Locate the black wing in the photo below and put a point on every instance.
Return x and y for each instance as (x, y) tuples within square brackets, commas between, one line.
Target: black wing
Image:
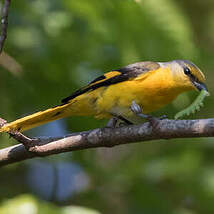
[(116, 76)]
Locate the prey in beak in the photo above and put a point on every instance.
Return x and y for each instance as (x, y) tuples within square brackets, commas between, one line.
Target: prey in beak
[(199, 85), (195, 76)]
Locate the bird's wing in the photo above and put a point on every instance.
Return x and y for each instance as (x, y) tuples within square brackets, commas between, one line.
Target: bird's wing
[(126, 73)]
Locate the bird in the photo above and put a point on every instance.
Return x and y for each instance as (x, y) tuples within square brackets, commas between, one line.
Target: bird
[(122, 93)]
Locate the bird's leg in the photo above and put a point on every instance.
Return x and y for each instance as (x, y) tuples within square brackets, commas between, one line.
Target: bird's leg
[(135, 108), (112, 123), (125, 121)]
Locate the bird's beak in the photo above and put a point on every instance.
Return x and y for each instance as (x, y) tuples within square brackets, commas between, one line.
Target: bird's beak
[(200, 86)]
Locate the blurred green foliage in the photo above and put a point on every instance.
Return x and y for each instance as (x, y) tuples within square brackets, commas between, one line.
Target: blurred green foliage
[(61, 46), (26, 204)]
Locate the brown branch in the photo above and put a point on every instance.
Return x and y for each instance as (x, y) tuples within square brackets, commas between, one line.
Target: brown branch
[(105, 137), (4, 23)]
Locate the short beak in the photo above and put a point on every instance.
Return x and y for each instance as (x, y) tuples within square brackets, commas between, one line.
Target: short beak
[(200, 86)]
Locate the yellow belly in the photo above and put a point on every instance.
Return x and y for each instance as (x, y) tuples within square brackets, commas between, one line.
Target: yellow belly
[(150, 91)]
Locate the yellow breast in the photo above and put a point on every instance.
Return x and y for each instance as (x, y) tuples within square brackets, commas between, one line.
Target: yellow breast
[(151, 91)]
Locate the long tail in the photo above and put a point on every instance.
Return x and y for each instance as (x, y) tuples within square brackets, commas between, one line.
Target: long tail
[(38, 118)]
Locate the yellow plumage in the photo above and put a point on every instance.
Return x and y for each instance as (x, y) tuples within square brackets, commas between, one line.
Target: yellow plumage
[(151, 85)]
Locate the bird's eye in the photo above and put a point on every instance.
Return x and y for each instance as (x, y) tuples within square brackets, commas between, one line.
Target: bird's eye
[(187, 71)]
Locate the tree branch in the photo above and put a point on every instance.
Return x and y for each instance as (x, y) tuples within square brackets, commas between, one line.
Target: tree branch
[(4, 23), (105, 137)]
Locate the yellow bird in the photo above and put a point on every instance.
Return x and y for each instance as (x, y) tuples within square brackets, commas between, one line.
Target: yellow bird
[(148, 85)]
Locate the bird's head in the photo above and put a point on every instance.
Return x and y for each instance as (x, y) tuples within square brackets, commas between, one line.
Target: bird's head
[(187, 75)]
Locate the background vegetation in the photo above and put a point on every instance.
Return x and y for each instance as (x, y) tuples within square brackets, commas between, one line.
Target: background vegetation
[(62, 45)]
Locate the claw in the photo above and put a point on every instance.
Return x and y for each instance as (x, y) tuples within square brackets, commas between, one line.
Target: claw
[(112, 123), (135, 108), (117, 121)]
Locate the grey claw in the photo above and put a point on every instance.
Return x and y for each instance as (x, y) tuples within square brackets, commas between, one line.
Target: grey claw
[(136, 108), (112, 123)]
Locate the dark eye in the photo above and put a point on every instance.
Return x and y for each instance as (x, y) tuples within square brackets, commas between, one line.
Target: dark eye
[(187, 71)]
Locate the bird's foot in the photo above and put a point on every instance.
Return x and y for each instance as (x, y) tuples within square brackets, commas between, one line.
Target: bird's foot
[(118, 121), (154, 121), (112, 123)]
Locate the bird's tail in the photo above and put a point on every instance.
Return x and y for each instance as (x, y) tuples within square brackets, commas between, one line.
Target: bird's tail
[(38, 118)]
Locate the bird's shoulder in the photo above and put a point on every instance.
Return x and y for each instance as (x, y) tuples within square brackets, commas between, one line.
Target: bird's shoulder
[(118, 75)]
